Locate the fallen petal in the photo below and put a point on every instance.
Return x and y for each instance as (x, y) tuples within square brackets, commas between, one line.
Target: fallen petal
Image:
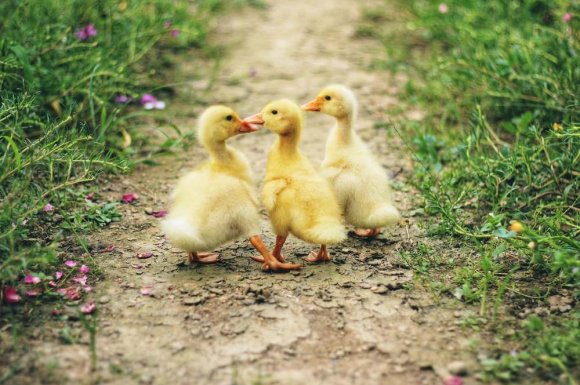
[(129, 197), (70, 263), (72, 293), (33, 293), (159, 214), (84, 269), (58, 275), (48, 208), (453, 380), (90, 196), (145, 255), (51, 283), (31, 279), (89, 307), (80, 279), (148, 98), (159, 105), (11, 295), (149, 105), (147, 290), (109, 249)]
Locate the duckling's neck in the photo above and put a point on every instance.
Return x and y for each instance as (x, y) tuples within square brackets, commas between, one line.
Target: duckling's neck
[(344, 129), (287, 144), (219, 152)]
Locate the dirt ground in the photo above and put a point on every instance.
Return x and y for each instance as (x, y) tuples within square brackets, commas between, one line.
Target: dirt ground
[(357, 320)]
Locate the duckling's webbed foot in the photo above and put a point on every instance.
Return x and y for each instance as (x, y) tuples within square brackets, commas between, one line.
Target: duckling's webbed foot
[(367, 233), (321, 256), (269, 261), (206, 258)]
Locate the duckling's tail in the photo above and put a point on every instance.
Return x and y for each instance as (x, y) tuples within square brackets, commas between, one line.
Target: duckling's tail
[(385, 215), (325, 233), (182, 234)]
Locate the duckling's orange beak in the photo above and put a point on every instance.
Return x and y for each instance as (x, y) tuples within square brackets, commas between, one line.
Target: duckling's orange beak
[(313, 105), (254, 119), (247, 127)]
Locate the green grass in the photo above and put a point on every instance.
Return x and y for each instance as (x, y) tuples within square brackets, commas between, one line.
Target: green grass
[(497, 82)]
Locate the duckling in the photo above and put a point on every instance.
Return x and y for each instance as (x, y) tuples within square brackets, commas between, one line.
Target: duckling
[(216, 203), (359, 182), (298, 200)]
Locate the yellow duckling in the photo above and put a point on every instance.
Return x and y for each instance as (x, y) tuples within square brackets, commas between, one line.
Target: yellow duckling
[(298, 200), (359, 182), (216, 202)]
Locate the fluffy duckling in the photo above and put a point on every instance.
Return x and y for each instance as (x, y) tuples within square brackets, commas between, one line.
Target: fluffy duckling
[(216, 202), (359, 182), (298, 200)]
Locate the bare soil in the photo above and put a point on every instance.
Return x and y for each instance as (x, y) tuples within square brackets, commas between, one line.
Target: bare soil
[(357, 320)]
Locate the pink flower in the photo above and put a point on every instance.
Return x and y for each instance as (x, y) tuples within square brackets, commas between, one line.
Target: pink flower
[(167, 23), (443, 8), (48, 208), (58, 275), (11, 295), (453, 380), (122, 99), (81, 279), (150, 102), (89, 307), (84, 269), (70, 263), (567, 17), (51, 283), (147, 290), (31, 279), (129, 197), (33, 293), (175, 32), (71, 293), (85, 32), (145, 255), (159, 214)]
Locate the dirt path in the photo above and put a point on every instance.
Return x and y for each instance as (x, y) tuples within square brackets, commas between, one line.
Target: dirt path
[(351, 321)]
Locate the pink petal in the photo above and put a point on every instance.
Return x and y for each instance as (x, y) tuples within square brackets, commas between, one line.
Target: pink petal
[(33, 293), (159, 214), (109, 249), (160, 105), (567, 17), (175, 32), (145, 255), (72, 293), (84, 269), (31, 279), (90, 196), (443, 8), (81, 279), (148, 98), (88, 288), (147, 290), (90, 30), (453, 380), (56, 312), (11, 295), (167, 24), (58, 275), (70, 263), (48, 208), (89, 307), (129, 197)]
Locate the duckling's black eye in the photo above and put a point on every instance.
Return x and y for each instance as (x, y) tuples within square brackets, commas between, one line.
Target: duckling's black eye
[(229, 118), (327, 97), (274, 112)]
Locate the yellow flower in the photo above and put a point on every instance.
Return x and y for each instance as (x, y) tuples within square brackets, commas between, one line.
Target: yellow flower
[(556, 126), (516, 227)]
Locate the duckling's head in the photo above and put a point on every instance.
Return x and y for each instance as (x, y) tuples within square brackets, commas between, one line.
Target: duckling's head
[(335, 100), (219, 123), (282, 117)]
